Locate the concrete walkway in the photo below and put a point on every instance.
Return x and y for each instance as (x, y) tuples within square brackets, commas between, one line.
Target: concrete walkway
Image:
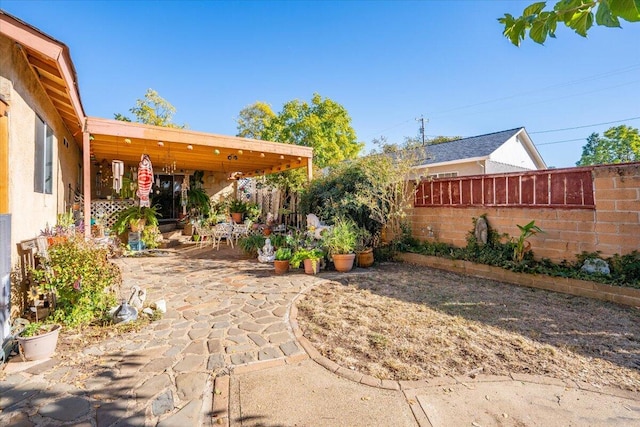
[(228, 352)]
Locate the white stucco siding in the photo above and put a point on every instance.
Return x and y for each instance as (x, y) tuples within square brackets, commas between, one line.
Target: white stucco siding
[(461, 168), (513, 153), (31, 211)]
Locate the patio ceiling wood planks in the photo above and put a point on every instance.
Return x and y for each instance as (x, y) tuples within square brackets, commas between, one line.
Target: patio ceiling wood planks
[(191, 150)]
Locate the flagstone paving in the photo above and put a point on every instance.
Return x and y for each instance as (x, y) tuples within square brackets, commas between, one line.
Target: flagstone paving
[(222, 311)]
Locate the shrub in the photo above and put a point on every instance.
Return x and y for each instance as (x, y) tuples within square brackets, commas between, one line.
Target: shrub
[(82, 279)]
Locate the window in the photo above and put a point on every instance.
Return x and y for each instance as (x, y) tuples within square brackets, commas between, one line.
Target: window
[(444, 175), (43, 164)]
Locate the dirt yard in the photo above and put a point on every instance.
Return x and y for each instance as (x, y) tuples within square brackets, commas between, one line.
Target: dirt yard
[(404, 322)]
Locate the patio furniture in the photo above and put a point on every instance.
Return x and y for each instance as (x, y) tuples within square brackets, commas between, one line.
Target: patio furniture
[(240, 230), (223, 230), (206, 233)]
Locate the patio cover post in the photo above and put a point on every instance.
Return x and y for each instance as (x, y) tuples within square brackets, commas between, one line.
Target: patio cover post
[(86, 182), (309, 168)]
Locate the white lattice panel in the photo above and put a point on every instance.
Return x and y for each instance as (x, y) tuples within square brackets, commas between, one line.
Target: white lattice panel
[(102, 210)]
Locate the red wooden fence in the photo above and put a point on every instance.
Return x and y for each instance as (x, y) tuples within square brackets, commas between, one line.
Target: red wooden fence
[(561, 188)]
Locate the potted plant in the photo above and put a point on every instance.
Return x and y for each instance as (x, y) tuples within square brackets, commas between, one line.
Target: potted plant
[(237, 209), (135, 218), (340, 242), (364, 248), (310, 257), (251, 243), (38, 340), (281, 263)]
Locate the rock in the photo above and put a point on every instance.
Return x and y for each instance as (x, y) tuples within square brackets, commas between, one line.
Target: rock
[(160, 305), (595, 265), (148, 311)]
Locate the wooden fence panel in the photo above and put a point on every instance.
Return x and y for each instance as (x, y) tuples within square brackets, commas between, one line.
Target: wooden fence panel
[(563, 188)]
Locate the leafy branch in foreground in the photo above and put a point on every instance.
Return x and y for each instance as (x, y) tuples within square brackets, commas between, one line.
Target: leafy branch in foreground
[(575, 14)]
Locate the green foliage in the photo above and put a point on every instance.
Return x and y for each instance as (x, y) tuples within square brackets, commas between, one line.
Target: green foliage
[(125, 217), (253, 212), (620, 144), (82, 279), (301, 254), (152, 110), (374, 191), (336, 195), (322, 124), (522, 244), (198, 201), (238, 206), (341, 238), (250, 244), (255, 120), (278, 240), (283, 253), (499, 252), (575, 14), (151, 236), (35, 328)]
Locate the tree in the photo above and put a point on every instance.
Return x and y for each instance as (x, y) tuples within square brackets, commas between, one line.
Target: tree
[(619, 144), (322, 124), (152, 110), (575, 14), (254, 120)]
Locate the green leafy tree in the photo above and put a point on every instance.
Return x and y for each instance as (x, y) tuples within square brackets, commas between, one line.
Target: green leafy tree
[(152, 110), (618, 145), (579, 15), (255, 121), (322, 124)]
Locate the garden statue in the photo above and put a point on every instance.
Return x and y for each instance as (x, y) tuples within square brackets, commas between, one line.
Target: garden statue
[(315, 227), (266, 254)]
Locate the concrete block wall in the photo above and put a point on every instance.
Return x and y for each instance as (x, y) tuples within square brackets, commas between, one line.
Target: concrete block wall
[(612, 227)]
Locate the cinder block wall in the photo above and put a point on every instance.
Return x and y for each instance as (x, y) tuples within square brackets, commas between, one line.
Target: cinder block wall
[(612, 227)]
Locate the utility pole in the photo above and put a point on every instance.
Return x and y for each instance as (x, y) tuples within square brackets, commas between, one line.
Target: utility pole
[(421, 120)]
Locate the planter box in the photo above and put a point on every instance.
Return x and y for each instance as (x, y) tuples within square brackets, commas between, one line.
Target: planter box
[(583, 288)]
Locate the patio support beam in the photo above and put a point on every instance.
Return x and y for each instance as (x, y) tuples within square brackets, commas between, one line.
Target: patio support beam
[(4, 157), (309, 169), (86, 182)]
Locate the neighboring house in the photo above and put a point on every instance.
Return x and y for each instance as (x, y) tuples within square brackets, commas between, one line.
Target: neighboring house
[(506, 151)]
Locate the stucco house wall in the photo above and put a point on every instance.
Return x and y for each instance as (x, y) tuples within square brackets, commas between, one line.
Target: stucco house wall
[(513, 153), (26, 98)]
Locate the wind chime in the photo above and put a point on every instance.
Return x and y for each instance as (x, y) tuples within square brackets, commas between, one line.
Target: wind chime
[(117, 170)]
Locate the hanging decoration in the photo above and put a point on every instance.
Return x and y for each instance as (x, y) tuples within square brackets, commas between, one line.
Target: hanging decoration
[(145, 180), (184, 195), (117, 169)]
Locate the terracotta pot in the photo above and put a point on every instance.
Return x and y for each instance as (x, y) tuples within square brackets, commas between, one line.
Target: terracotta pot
[(39, 346), (365, 258), (266, 232), (236, 217), (281, 267), (311, 266), (343, 262)]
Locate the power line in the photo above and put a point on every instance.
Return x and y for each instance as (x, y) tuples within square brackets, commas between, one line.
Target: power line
[(586, 126), (561, 142), (537, 90)]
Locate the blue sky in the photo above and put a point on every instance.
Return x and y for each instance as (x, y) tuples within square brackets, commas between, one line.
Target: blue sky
[(387, 63)]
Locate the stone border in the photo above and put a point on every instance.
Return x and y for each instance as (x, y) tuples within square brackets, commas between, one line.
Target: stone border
[(410, 388), (582, 288)]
